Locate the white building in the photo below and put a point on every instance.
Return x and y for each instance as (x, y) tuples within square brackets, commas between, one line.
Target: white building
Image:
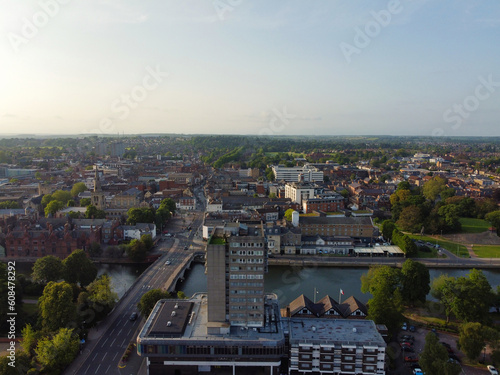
[(299, 192), (307, 173), (134, 232)]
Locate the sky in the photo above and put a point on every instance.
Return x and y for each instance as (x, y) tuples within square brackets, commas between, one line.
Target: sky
[(256, 67)]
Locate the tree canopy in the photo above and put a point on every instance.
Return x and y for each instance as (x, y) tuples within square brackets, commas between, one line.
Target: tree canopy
[(415, 282), (57, 352), (149, 299), (78, 188), (434, 358), (48, 268), (56, 305), (78, 268)]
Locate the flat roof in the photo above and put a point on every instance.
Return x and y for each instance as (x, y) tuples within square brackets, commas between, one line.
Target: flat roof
[(171, 318), (334, 331), (195, 326)]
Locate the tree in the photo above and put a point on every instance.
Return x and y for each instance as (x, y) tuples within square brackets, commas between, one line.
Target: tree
[(78, 188), (62, 196), (95, 249), (450, 214), (55, 353), (9, 205), (272, 195), (433, 188), (78, 268), (136, 251), (30, 339), (22, 364), (140, 215), (415, 282), (387, 228), (149, 299), (472, 339), (434, 358), (100, 296), (181, 295), (53, 207), (169, 204), (84, 202), (410, 219), (147, 241), (494, 218), (93, 213), (56, 306), (288, 214), (48, 268)]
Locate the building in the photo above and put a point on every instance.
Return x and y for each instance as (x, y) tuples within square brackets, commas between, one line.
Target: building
[(179, 338), (335, 346), (235, 270), (307, 173), (326, 307), (332, 203), (299, 192), (98, 198), (359, 228)]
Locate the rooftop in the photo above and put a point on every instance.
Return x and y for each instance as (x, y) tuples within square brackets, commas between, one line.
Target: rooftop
[(333, 331)]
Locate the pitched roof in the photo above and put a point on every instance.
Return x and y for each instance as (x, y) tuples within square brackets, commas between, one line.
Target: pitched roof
[(352, 304), (299, 303)]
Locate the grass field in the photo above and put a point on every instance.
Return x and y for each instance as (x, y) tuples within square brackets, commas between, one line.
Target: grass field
[(470, 225), (487, 251), (448, 245)]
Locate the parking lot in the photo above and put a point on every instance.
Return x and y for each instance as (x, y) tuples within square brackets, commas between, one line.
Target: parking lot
[(417, 341)]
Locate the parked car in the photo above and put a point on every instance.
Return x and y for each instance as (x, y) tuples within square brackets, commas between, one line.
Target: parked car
[(409, 338), (133, 317), (417, 371), (411, 358), (412, 329), (168, 262), (492, 370), (185, 247), (404, 327), (454, 357)]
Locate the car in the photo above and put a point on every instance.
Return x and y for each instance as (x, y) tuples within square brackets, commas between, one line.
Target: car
[(408, 338), (408, 349), (133, 317), (404, 327), (492, 370), (414, 365), (168, 235), (406, 344), (185, 247), (417, 371), (454, 357), (412, 329), (411, 358), (445, 344), (168, 262)]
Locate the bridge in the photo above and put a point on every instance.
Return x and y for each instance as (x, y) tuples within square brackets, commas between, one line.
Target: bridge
[(181, 269)]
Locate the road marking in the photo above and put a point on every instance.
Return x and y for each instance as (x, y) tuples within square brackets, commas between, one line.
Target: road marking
[(97, 368), (112, 331), (107, 370), (119, 332), (93, 359), (114, 356), (104, 342), (104, 356), (113, 342), (130, 330), (87, 369), (123, 342)]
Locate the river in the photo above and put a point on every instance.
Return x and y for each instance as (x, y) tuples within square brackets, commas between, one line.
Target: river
[(290, 282)]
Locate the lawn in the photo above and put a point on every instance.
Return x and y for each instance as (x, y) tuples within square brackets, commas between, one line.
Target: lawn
[(487, 251), (448, 245), (470, 225)]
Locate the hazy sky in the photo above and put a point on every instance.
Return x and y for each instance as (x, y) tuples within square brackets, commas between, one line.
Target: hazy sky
[(405, 67)]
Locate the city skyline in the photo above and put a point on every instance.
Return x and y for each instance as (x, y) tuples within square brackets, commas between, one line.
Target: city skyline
[(254, 68)]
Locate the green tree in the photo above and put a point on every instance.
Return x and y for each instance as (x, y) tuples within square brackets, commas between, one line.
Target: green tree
[(95, 249), (147, 241), (100, 296), (48, 268), (169, 204), (30, 339), (84, 202), (149, 299), (136, 251), (411, 219), (22, 364), (78, 188), (46, 199), (494, 218), (53, 207), (472, 339), (450, 214), (78, 268), (387, 228), (56, 306), (272, 195), (181, 295), (57, 352), (140, 215), (93, 213), (434, 358), (415, 282), (288, 214), (9, 205), (433, 188), (62, 196)]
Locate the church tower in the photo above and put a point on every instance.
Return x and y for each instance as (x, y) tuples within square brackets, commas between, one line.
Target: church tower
[(98, 200)]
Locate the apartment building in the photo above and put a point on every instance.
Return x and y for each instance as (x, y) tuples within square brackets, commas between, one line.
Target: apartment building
[(307, 173), (299, 192)]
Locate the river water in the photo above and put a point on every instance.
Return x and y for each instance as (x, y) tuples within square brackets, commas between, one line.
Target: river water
[(290, 282)]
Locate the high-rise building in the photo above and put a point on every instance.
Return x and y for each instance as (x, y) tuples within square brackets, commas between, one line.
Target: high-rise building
[(307, 173), (236, 263)]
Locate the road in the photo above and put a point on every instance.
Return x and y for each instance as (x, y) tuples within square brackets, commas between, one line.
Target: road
[(107, 342)]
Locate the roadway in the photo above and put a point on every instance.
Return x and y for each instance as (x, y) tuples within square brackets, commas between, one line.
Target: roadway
[(107, 341)]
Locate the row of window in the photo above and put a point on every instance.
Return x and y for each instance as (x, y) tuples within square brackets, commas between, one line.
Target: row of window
[(249, 268), (246, 291), (251, 260), (243, 276), (246, 244)]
